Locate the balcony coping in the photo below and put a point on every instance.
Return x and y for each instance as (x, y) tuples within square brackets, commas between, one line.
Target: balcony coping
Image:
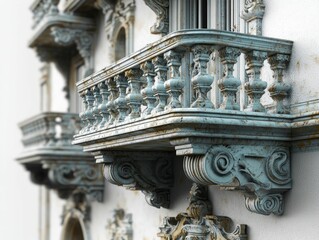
[(184, 39)]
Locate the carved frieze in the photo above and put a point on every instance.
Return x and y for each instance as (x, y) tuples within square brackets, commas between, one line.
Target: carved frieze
[(120, 226), (199, 222), (152, 173), (261, 172)]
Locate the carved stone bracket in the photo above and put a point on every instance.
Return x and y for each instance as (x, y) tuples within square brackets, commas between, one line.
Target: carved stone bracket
[(120, 226), (253, 13), (261, 172), (83, 40), (76, 177), (152, 173), (161, 9), (199, 222)]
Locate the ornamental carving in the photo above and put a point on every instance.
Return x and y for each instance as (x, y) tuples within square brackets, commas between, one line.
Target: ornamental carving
[(253, 13), (83, 40), (120, 226), (199, 222), (76, 177), (161, 9), (151, 173), (262, 172)]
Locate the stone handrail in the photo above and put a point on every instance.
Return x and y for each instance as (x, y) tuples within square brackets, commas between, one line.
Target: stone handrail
[(161, 77)]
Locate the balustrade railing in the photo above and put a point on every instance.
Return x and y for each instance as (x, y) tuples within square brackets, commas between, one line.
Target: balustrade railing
[(42, 8), (50, 130), (154, 79)]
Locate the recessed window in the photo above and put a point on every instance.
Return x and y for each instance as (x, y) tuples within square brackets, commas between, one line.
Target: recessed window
[(120, 44), (73, 230)]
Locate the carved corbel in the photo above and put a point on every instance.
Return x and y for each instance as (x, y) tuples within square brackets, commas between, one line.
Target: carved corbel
[(161, 9), (83, 40), (261, 172), (199, 222), (70, 177), (151, 173), (253, 14)]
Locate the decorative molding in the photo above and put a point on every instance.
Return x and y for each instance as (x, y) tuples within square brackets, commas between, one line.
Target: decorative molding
[(118, 15), (253, 14), (70, 177), (83, 40), (199, 222), (262, 172), (152, 173), (42, 8), (121, 226), (161, 9)]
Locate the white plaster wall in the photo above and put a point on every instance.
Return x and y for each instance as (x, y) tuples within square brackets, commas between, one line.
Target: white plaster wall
[(19, 100), (297, 21)]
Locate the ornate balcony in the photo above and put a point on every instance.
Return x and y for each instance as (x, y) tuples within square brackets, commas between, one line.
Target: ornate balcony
[(54, 162), (57, 35), (152, 105)]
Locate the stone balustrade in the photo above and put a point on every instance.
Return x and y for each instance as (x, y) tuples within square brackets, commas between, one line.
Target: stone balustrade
[(155, 79), (50, 130), (54, 162), (157, 101)]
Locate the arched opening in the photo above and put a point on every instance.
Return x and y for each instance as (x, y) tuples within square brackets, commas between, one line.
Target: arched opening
[(73, 230), (120, 44)]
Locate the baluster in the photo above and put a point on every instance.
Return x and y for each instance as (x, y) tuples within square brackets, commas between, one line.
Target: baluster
[(89, 112), (229, 84), (174, 85), (50, 131), (95, 110), (159, 88), (134, 98), (102, 107), (67, 130), (202, 81), (255, 87), (110, 106), (279, 90), (120, 102), (82, 114), (148, 92)]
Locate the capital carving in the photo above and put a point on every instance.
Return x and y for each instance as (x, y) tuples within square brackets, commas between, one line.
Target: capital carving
[(263, 173), (83, 40), (199, 222), (161, 9), (151, 173), (253, 13)]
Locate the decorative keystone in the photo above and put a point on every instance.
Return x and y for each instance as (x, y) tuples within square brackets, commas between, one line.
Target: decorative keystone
[(262, 172), (199, 223), (83, 40), (161, 9), (152, 173)]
